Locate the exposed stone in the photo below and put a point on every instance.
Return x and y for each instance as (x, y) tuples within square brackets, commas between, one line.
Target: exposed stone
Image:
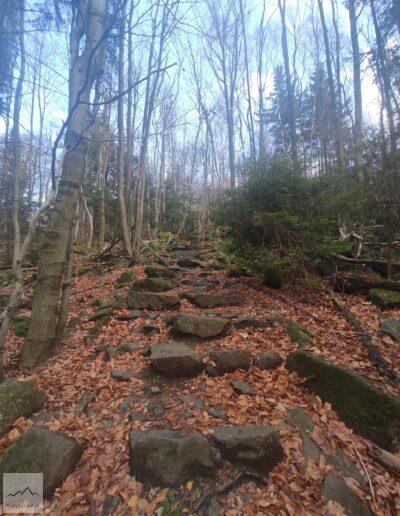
[(336, 489), (214, 300), (160, 272), (152, 300), (227, 360), (345, 466), (217, 413), (212, 371), (392, 327), (122, 376), (297, 417), (242, 387), (252, 322), (133, 314), (299, 334), (84, 402), (18, 399), (372, 413), (116, 351), (190, 263), (99, 314), (126, 278), (147, 329), (39, 450), (175, 360), (266, 361), (153, 285), (199, 326), (169, 457), (385, 299), (257, 446)]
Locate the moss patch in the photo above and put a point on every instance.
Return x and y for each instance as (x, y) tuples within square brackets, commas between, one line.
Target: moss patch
[(126, 278), (299, 334), (369, 411), (80, 271), (385, 299), (21, 325), (3, 301)]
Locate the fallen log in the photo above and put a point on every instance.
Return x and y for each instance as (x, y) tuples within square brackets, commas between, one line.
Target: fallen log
[(386, 459), (380, 266), (350, 284), (374, 354)]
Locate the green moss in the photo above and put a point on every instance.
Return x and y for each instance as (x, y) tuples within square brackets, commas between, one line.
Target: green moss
[(126, 278), (6, 278), (299, 334), (80, 271), (371, 412), (21, 325), (385, 299), (3, 301)]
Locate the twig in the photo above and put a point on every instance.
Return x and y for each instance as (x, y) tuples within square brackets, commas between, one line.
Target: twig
[(371, 488)]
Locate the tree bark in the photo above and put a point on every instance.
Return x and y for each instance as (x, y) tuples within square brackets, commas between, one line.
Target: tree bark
[(88, 29)]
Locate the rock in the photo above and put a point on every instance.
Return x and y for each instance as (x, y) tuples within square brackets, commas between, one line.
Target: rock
[(372, 413), (39, 450), (392, 327), (217, 413), (126, 278), (84, 402), (155, 390), (175, 360), (297, 417), (385, 299), (169, 457), (153, 285), (133, 314), (299, 334), (242, 387), (18, 399), (199, 326), (212, 371), (214, 300), (116, 351), (160, 272), (257, 446), (227, 360), (127, 403), (152, 301), (147, 329), (99, 314), (347, 467), (266, 361), (336, 489), (190, 263), (252, 322), (43, 417), (121, 376)]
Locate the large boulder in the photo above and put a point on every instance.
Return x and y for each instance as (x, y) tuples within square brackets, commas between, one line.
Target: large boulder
[(199, 326), (265, 361), (153, 285), (153, 271), (213, 300), (385, 299), (169, 457), (372, 413), (227, 360), (175, 360), (299, 334), (152, 300), (392, 327), (18, 399), (39, 450), (256, 446), (335, 489)]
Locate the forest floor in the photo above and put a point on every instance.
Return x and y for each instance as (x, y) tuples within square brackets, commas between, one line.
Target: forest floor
[(102, 484)]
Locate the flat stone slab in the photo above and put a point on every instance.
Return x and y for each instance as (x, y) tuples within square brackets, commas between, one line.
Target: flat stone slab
[(299, 334), (214, 300), (39, 450), (242, 387), (227, 360), (372, 413), (169, 457), (175, 360), (199, 326), (152, 300), (267, 361), (190, 263), (153, 285), (257, 446), (153, 271), (392, 327), (335, 488), (99, 314), (84, 403), (18, 399)]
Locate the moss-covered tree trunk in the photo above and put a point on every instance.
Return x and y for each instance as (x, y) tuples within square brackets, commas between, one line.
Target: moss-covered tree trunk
[(89, 19)]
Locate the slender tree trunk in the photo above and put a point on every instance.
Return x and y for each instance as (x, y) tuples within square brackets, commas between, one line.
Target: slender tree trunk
[(88, 30)]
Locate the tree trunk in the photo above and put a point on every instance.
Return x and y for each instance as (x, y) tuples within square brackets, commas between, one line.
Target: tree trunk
[(88, 29)]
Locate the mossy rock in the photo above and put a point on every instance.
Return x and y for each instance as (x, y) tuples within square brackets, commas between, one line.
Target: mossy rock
[(299, 334), (153, 285), (126, 278), (80, 271), (370, 412), (385, 299), (21, 326)]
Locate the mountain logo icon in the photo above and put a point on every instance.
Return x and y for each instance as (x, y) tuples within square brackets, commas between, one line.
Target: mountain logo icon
[(23, 492)]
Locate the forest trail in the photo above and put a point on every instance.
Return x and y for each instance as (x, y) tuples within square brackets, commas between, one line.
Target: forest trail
[(103, 384)]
